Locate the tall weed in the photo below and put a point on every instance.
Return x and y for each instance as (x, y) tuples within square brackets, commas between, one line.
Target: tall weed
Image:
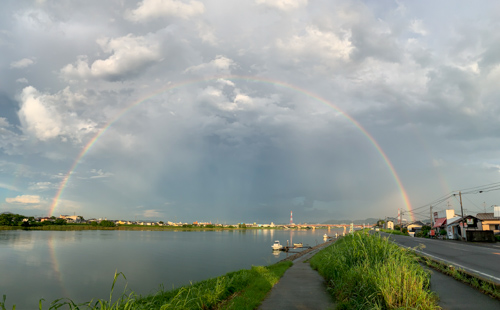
[(369, 272)]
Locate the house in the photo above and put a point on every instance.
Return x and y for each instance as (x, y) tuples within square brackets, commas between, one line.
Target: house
[(415, 226), (457, 227), (389, 225), (440, 219), (489, 222)]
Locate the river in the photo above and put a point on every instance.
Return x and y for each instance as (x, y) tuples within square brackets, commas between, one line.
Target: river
[(80, 265)]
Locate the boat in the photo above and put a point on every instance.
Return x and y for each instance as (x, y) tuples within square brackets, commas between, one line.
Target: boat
[(298, 245), (325, 236), (277, 245)]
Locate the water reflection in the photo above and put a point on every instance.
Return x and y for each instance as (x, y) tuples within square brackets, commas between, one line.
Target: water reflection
[(80, 264)]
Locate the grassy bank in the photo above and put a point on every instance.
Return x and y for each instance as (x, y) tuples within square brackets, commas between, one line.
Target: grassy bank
[(368, 272), (243, 289), (394, 232)]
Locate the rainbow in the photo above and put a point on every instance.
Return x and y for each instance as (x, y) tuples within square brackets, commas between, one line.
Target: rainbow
[(101, 132)]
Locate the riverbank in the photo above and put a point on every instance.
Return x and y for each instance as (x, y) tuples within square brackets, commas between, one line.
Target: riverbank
[(72, 227), (368, 271)]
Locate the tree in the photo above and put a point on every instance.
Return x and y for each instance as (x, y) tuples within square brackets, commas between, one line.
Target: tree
[(60, 222), (106, 223), (6, 219), (380, 223)]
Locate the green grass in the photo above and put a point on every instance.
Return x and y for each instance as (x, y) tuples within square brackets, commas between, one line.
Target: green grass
[(243, 289), (369, 272), (394, 232)]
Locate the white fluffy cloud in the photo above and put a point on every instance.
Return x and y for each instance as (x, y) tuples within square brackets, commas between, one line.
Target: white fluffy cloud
[(220, 65), (151, 9), (44, 116), (24, 199), (37, 116), (129, 55), (315, 44), (284, 5), (22, 63)]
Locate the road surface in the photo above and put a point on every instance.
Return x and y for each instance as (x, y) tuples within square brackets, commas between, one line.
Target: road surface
[(480, 259)]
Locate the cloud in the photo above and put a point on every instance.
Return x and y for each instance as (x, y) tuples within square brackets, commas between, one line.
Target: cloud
[(9, 187), (42, 186), (3, 122), (46, 116), (24, 199), (22, 63), (316, 45), (284, 5), (219, 66), (130, 55), (151, 213), (152, 9), (22, 80), (37, 116), (417, 27), (98, 174)]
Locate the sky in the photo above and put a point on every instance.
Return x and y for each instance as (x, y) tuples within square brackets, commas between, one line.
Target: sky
[(242, 111)]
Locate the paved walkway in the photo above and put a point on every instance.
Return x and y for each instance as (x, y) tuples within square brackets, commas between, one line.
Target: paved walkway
[(454, 294), (301, 287)]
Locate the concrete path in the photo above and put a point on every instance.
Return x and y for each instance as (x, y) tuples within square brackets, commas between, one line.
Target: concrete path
[(454, 294), (301, 287)]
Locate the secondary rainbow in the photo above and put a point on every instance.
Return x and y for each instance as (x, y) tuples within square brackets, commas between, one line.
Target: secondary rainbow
[(96, 137)]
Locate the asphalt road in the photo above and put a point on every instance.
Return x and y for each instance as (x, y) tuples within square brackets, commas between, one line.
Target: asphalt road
[(480, 259)]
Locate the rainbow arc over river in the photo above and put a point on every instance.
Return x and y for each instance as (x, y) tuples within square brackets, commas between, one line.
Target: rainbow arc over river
[(254, 79)]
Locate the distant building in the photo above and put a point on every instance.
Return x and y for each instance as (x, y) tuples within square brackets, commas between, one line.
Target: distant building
[(389, 225), (489, 222)]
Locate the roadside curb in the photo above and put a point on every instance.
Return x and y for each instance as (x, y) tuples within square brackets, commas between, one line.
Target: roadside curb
[(465, 277)]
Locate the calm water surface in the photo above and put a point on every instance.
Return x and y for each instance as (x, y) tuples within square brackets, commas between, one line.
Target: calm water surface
[(81, 264)]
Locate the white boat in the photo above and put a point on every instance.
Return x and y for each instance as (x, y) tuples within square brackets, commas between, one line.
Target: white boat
[(277, 246), (325, 236), (298, 245)]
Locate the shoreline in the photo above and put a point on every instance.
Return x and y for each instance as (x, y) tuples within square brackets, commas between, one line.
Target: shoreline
[(302, 253)]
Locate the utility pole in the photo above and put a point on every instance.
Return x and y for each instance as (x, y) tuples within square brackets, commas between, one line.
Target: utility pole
[(400, 222), (430, 213), (462, 208)]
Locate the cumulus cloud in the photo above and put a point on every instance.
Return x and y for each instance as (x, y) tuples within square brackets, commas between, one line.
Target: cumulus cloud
[(43, 115), (329, 47), (152, 9), (22, 63), (130, 54), (37, 116), (24, 199), (284, 5), (219, 66)]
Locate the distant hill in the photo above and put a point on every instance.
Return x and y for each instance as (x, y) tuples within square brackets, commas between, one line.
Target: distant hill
[(368, 221)]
